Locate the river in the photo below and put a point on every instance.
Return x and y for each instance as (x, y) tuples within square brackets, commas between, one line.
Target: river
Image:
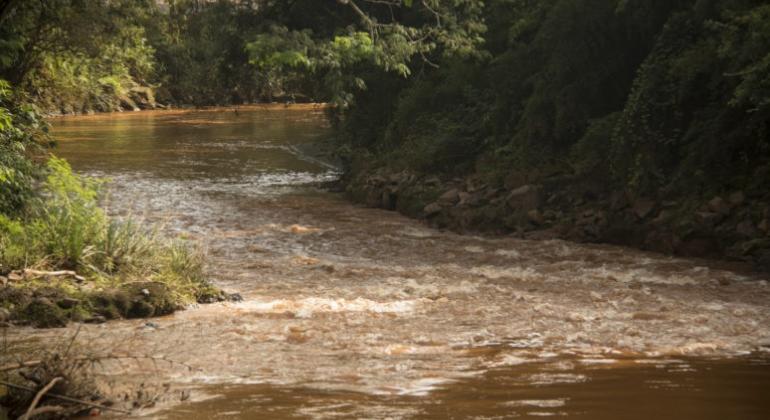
[(351, 312)]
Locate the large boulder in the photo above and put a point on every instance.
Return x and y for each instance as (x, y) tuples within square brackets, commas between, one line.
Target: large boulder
[(43, 313), (450, 197), (719, 205), (525, 198), (643, 207), (432, 209), (149, 298)]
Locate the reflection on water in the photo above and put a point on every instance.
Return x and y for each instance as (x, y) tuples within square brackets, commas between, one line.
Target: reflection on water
[(354, 312)]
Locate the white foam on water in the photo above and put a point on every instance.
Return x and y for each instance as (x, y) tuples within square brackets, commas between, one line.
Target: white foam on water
[(598, 361), (419, 387), (417, 233), (509, 360), (556, 378), (305, 308), (495, 273), (552, 403), (510, 253)]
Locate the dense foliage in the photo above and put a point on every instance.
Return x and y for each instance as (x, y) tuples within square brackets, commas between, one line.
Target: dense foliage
[(50, 219), (658, 99), (647, 94)]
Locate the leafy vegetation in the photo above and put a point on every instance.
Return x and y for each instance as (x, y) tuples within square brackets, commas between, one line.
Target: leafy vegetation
[(645, 93), (63, 257), (650, 99)]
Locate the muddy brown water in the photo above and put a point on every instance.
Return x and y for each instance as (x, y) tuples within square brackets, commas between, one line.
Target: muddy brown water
[(351, 312)]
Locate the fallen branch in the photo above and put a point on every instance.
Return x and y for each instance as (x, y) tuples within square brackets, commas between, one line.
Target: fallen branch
[(37, 398), (68, 399), (33, 274), (21, 365), (46, 409)]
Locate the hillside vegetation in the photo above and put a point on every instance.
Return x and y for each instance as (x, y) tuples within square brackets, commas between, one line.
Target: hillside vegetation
[(625, 121), (635, 122)]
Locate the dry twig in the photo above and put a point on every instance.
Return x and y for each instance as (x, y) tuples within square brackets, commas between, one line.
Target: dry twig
[(68, 399), (38, 396)]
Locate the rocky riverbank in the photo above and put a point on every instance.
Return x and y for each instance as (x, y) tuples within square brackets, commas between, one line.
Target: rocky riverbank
[(47, 299), (734, 225)]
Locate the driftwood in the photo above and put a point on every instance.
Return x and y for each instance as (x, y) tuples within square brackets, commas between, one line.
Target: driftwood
[(68, 399), (20, 365), (37, 398), (29, 273), (45, 409)]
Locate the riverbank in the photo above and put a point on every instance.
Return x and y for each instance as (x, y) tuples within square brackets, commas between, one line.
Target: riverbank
[(373, 309), (172, 110), (63, 258), (733, 226)]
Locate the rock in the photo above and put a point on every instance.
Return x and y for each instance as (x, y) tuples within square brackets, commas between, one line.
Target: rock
[(737, 198), (754, 246), (670, 204), (143, 96), (148, 299), (524, 198), (5, 315), (43, 313), (515, 179), (472, 200), (450, 197), (376, 180), (388, 200), (718, 205), (746, 229), (707, 218), (97, 319), (764, 226), (618, 201), (397, 178), (762, 261), (68, 303), (664, 217), (432, 209), (151, 325), (15, 276), (643, 207), (699, 246), (535, 217), (234, 297)]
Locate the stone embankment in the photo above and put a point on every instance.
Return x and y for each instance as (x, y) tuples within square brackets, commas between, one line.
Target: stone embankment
[(732, 226)]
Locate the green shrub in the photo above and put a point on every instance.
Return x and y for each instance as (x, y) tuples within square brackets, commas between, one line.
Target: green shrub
[(66, 229), (68, 219), (21, 131)]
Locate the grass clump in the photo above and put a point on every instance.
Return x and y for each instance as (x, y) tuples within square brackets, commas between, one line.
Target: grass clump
[(98, 265)]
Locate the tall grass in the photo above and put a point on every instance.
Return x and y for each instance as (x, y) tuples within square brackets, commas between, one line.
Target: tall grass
[(66, 229)]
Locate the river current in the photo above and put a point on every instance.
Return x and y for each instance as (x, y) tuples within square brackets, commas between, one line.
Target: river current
[(351, 312)]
